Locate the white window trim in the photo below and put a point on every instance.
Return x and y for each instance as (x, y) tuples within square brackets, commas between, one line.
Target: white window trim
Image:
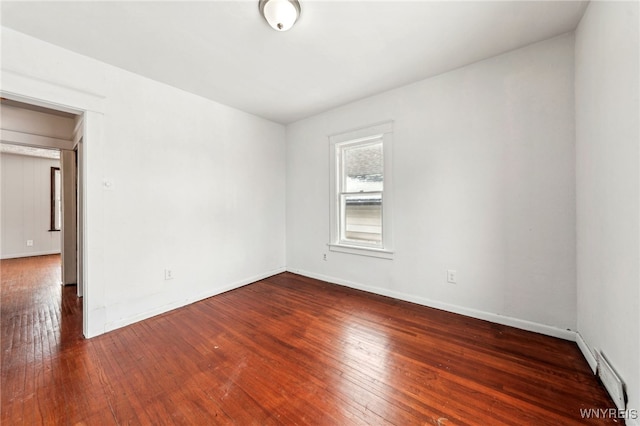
[(383, 131)]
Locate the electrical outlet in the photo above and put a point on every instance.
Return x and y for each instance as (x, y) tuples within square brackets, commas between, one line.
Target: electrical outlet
[(324, 256), (29, 243), (451, 276), (168, 274)]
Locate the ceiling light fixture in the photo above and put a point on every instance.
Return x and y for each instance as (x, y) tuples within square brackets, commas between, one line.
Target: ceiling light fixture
[(280, 14)]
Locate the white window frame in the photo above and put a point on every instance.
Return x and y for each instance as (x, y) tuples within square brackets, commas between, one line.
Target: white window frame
[(384, 133)]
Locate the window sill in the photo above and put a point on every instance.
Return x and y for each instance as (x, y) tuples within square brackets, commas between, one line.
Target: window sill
[(362, 251)]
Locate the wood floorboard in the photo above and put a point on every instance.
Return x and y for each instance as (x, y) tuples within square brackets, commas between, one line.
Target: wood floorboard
[(284, 350)]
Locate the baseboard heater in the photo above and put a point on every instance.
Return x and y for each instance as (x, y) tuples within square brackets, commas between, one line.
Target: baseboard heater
[(611, 381)]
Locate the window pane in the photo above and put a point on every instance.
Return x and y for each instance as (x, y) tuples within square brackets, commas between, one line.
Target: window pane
[(362, 218), (57, 200), (363, 168)]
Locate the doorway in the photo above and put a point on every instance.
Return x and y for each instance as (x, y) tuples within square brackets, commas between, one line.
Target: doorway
[(89, 106), (50, 139)]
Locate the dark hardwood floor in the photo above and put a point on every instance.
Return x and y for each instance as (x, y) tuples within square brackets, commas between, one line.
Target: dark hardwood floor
[(285, 350)]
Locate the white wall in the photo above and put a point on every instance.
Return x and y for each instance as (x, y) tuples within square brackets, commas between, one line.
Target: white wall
[(198, 187), (608, 186), (484, 184), (26, 201), (26, 182)]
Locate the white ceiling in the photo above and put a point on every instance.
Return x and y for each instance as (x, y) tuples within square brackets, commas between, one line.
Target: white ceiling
[(338, 52)]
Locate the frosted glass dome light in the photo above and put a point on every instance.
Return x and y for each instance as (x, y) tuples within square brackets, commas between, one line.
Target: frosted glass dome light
[(280, 14)]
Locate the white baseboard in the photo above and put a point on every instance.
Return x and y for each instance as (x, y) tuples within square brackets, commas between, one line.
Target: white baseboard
[(586, 352), (37, 253), (123, 322), (240, 283), (469, 312), (593, 364)]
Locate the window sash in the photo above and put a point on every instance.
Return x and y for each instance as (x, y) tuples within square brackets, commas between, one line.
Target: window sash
[(55, 223), (365, 225), (368, 223), (341, 152)]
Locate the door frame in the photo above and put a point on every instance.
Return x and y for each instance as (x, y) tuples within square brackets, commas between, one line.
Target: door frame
[(33, 90)]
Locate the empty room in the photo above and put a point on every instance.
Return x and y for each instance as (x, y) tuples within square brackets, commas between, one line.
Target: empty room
[(316, 212)]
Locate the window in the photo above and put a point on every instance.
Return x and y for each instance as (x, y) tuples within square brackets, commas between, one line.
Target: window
[(360, 183), (360, 191), (56, 200)]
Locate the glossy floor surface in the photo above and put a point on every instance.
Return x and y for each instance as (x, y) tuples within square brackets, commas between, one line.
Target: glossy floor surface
[(285, 350)]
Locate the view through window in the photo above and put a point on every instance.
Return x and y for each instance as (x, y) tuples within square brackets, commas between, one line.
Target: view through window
[(56, 199), (361, 192)]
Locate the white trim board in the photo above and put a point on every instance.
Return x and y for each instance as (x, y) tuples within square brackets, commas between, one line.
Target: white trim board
[(593, 364), (32, 254), (473, 313), (586, 352), (30, 89), (113, 325), (27, 139)]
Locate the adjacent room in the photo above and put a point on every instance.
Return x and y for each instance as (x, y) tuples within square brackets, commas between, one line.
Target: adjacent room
[(320, 212)]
